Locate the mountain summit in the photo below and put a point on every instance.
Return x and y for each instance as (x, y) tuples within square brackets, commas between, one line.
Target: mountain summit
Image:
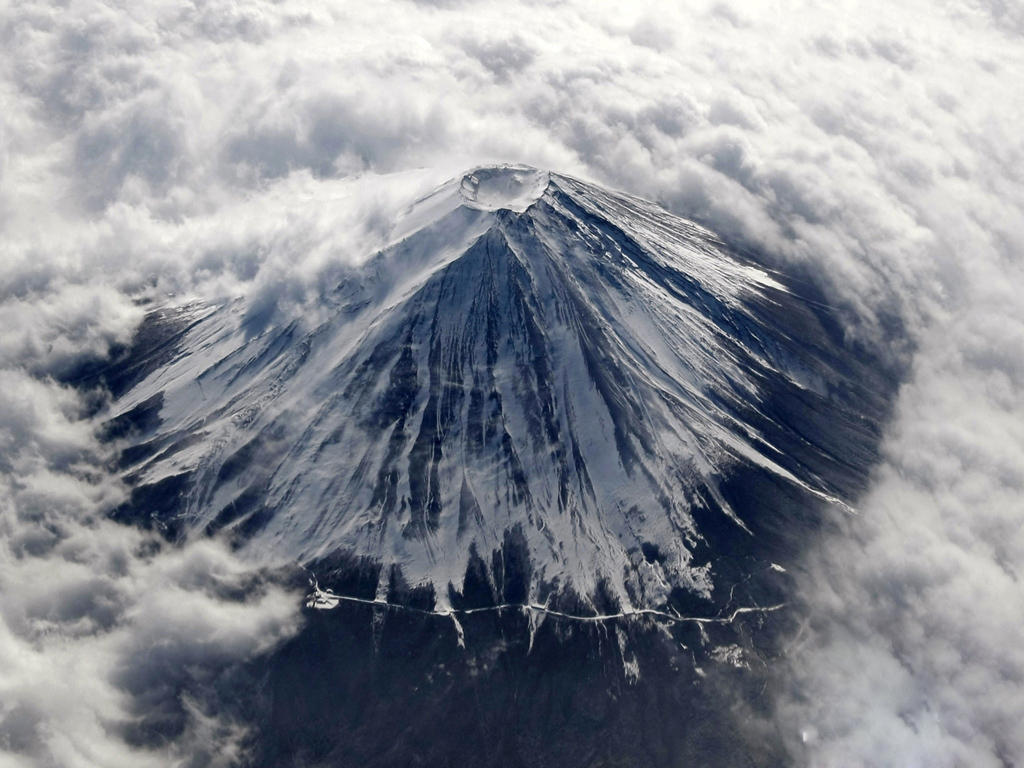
[(537, 374)]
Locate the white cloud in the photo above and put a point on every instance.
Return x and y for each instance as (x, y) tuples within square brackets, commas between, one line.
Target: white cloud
[(109, 643), (920, 598), (219, 148)]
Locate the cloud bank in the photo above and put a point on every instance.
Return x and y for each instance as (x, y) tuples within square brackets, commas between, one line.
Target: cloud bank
[(914, 654), (216, 148), (113, 649)]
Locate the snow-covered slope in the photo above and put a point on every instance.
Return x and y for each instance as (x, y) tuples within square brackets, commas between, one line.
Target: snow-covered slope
[(532, 357)]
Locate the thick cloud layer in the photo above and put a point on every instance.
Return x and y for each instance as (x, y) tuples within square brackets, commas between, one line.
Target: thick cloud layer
[(111, 647), (216, 148), (915, 653)]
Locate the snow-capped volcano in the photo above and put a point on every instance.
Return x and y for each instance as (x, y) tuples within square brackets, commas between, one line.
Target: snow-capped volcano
[(532, 358)]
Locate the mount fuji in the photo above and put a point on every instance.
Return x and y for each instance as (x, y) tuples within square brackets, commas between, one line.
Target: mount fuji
[(540, 395)]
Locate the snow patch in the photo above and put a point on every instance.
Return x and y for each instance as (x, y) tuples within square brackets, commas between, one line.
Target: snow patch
[(630, 663), (459, 631), (321, 599), (731, 655)]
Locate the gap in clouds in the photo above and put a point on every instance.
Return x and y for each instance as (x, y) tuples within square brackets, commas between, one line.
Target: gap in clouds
[(233, 148)]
